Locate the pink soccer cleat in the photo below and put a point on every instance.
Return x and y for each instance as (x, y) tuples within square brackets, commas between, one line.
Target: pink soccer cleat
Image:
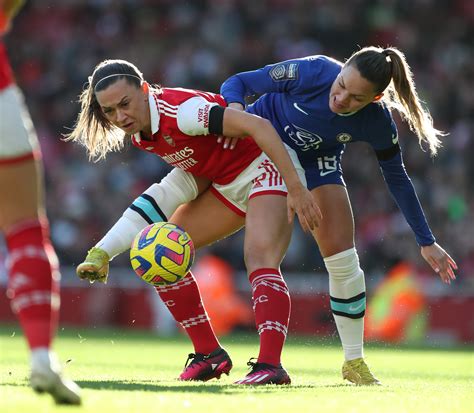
[(206, 367), (263, 373)]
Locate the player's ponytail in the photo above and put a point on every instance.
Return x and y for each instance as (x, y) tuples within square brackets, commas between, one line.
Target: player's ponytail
[(389, 71), (92, 129)]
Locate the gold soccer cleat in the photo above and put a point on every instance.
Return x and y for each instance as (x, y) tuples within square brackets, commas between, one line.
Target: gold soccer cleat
[(95, 267), (357, 372)]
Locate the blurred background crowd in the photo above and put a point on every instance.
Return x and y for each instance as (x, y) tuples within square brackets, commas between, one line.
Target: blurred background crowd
[(55, 44)]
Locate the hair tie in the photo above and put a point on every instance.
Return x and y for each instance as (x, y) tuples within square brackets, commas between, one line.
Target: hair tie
[(388, 57)]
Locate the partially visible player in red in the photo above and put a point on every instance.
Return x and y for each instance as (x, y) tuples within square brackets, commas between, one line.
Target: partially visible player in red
[(181, 126), (33, 282)]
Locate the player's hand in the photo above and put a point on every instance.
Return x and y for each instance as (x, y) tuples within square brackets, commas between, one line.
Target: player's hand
[(301, 202), (230, 142), (95, 267), (440, 261)]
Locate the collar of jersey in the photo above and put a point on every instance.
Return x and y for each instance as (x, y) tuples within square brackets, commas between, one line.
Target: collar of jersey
[(346, 114), (154, 115)]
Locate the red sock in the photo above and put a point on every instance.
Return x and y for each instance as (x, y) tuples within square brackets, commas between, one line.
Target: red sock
[(33, 284), (183, 299), (271, 304)]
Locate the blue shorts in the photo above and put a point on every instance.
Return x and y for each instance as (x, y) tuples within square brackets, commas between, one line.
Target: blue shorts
[(322, 167)]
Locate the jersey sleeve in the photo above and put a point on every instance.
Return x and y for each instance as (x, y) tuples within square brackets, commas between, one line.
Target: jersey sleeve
[(402, 190), (194, 116), (291, 76), (380, 130)]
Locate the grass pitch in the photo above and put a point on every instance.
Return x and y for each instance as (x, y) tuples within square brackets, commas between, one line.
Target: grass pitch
[(124, 371)]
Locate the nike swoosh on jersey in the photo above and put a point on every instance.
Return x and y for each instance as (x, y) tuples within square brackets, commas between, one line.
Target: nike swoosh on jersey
[(298, 108), (324, 173), (394, 139)]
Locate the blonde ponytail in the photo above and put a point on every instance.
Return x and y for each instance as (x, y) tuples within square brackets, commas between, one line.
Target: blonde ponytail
[(389, 71), (402, 96), (93, 130)]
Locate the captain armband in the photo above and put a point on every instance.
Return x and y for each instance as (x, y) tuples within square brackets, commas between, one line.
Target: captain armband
[(216, 120)]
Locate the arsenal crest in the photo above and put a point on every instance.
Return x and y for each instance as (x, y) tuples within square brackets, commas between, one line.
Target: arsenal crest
[(169, 140)]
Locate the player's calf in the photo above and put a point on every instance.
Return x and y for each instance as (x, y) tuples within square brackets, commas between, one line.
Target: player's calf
[(33, 283)]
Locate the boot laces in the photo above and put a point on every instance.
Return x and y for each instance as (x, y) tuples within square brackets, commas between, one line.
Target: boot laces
[(196, 359)]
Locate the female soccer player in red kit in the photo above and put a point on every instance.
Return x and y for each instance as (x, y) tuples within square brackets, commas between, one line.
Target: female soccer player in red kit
[(33, 282), (181, 126)]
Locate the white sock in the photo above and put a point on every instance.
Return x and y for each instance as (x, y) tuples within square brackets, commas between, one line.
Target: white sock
[(42, 358), (347, 296), (119, 238), (156, 204)]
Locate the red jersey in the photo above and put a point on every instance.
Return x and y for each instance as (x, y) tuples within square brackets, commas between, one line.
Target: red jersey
[(181, 137), (6, 74)]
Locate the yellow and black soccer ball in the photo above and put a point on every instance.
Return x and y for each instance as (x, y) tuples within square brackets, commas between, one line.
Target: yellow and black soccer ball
[(162, 253)]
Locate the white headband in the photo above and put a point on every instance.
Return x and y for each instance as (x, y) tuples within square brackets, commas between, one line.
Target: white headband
[(113, 75)]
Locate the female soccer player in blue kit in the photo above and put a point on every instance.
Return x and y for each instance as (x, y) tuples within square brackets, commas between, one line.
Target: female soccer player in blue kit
[(317, 105)]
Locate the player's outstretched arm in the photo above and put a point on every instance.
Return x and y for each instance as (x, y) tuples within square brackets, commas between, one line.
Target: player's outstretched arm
[(237, 123), (404, 193)]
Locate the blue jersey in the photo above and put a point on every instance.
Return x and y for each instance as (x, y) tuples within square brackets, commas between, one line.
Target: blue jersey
[(294, 96)]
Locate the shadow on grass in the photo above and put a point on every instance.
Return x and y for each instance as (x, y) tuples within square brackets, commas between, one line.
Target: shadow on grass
[(179, 387)]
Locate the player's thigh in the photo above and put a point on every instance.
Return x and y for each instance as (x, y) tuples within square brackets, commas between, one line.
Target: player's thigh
[(21, 183), (267, 232), (202, 183), (207, 219), (20, 192), (336, 230)]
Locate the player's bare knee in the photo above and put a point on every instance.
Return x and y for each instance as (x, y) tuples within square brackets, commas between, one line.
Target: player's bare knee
[(261, 256), (332, 247)]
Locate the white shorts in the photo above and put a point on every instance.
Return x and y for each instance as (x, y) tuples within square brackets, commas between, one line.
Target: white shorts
[(261, 177), (18, 139)]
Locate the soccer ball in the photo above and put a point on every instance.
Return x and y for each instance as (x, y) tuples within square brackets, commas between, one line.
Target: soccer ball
[(162, 254)]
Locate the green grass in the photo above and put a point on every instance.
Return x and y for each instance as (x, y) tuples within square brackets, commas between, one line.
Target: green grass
[(123, 371)]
